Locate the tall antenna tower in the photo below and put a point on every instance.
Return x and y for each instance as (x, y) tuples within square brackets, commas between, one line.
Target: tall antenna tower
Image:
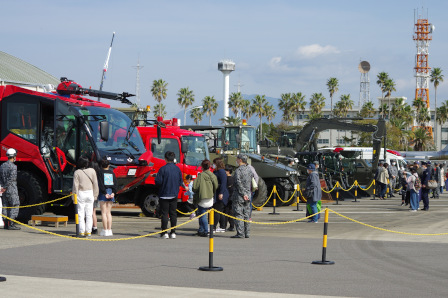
[(238, 86), (364, 86), (137, 84), (422, 36)]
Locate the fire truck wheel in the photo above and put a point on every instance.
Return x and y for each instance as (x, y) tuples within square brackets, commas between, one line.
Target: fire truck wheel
[(261, 195), (149, 202), (30, 192)]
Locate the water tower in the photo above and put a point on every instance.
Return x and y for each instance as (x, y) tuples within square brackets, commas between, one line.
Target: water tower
[(364, 88), (226, 67)]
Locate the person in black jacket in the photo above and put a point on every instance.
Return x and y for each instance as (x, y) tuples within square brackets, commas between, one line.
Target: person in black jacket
[(169, 180), (426, 176), (107, 184), (229, 209), (221, 196)]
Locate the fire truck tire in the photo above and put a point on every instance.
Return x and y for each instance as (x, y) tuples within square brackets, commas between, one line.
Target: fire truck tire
[(261, 195), (150, 202), (31, 192)]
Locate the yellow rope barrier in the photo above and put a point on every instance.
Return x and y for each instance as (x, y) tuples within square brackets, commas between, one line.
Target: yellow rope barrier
[(350, 187), (336, 185), (268, 223), (386, 230), (105, 240), (272, 192), (43, 203), (188, 213), (371, 184), (289, 198)]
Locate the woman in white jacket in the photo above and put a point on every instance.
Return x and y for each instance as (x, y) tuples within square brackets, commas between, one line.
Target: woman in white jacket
[(85, 186)]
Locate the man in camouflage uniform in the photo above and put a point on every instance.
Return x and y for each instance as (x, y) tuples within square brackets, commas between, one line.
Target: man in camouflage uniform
[(8, 182), (241, 197)]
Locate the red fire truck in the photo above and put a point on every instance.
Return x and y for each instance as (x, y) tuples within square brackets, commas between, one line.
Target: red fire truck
[(51, 130), (190, 149)]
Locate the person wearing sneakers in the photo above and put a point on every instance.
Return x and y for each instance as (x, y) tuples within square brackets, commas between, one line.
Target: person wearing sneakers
[(169, 180), (413, 188), (204, 188), (85, 186), (107, 184), (313, 192), (10, 197)]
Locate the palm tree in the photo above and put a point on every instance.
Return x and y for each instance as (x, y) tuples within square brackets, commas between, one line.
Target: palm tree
[(284, 104), (367, 110), (160, 110), (246, 109), (298, 103), (257, 108), (185, 98), (196, 114), (388, 87), (317, 103), (332, 85), (209, 107), (421, 140), (383, 109), (231, 120), (382, 77), (345, 104), (423, 116), (235, 101), (436, 78), (270, 112), (158, 91)]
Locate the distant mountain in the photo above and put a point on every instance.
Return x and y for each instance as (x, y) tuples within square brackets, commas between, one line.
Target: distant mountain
[(254, 120)]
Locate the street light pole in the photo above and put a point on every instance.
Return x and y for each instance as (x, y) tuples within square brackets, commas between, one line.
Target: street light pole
[(185, 116)]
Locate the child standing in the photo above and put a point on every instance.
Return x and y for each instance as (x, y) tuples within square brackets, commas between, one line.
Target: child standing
[(107, 183)]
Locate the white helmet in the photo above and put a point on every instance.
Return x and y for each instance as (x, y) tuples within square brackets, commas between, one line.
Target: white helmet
[(11, 152)]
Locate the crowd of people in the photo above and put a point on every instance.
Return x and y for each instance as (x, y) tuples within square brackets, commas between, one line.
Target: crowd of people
[(415, 183)]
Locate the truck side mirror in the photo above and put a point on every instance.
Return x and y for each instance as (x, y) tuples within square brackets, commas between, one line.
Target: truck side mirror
[(104, 130), (184, 147)]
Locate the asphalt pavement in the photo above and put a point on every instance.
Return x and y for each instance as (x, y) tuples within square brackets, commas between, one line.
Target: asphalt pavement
[(396, 253)]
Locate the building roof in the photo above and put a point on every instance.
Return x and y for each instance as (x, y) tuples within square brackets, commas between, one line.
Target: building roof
[(13, 69)]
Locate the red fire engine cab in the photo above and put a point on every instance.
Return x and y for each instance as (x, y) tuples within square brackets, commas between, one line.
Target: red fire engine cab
[(51, 130)]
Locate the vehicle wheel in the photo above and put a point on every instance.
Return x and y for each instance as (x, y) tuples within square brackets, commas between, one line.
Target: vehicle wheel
[(31, 192), (261, 195), (149, 203)]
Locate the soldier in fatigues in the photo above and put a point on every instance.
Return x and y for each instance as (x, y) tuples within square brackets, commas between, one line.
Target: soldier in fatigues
[(8, 181), (241, 197)]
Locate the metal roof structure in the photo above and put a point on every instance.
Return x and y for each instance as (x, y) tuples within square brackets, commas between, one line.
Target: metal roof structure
[(15, 70)]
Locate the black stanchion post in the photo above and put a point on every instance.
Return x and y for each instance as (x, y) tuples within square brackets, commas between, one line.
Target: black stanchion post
[(274, 203), (210, 266), (297, 198), (324, 244), (75, 203)]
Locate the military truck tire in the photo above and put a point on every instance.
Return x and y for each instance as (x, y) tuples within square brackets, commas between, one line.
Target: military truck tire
[(280, 190), (261, 195), (149, 202), (31, 192)]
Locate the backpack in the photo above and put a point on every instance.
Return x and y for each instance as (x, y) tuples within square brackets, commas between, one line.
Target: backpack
[(417, 184)]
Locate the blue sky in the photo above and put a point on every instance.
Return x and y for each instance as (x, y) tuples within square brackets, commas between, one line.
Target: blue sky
[(278, 46)]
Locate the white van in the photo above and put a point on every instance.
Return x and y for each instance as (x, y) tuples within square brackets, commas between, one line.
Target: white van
[(367, 155)]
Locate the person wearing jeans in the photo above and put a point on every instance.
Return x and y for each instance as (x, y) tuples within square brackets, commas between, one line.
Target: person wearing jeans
[(413, 191), (313, 191)]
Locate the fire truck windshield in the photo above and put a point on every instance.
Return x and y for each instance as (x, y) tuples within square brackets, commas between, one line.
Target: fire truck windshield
[(197, 150), (119, 125)]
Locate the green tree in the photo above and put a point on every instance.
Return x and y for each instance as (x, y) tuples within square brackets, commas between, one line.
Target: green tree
[(298, 103), (442, 113), (257, 108), (345, 104), (382, 77), (383, 109), (196, 115), (317, 103), (270, 112), (185, 98), (436, 78), (246, 109), (235, 103), (421, 139), (388, 87), (285, 104), (158, 91), (367, 110), (159, 110), (231, 120), (333, 87), (209, 107)]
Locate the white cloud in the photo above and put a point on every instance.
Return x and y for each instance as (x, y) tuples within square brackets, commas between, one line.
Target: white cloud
[(277, 64), (314, 50)]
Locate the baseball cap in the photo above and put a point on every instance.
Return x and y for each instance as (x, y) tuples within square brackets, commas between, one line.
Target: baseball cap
[(311, 167)]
